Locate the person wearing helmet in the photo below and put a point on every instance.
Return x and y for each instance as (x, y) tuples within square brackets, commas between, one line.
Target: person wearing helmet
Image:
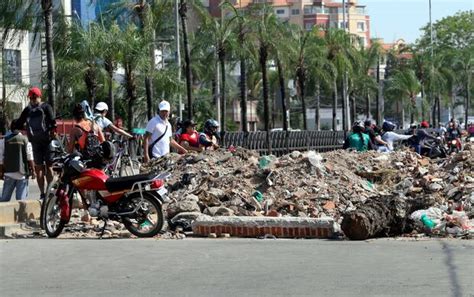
[(100, 111), (357, 140), (453, 132), (375, 139), (189, 138), (390, 137), (158, 135), (208, 138)]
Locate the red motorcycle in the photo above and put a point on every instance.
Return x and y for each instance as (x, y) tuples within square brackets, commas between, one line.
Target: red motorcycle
[(136, 201)]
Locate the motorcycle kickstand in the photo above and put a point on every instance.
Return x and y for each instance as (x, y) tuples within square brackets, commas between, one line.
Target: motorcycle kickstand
[(103, 229)]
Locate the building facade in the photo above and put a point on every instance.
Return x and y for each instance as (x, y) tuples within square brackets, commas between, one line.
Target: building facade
[(310, 13)]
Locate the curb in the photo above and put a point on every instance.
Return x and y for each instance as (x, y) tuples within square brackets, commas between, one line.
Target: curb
[(281, 227), (19, 211)]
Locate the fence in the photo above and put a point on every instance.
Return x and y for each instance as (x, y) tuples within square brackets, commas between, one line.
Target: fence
[(283, 142)]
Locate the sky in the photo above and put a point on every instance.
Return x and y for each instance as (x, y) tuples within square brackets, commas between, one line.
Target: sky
[(394, 19)]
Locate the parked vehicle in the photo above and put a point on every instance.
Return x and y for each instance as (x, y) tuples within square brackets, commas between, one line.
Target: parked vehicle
[(136, 200)]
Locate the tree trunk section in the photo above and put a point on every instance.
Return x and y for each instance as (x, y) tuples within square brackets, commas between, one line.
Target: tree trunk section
[(48, 21), (182, 12), (223, 94), (243, 95), (281, 80), (334, 106), (266, 108), (367, 107), (383, 216), (317, 118), (111, 100)]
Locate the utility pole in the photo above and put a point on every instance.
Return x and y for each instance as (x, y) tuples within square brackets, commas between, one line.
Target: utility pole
[(178, 58), (345, 98)]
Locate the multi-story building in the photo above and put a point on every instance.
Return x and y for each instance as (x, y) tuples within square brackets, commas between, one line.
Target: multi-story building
[(310, 13)]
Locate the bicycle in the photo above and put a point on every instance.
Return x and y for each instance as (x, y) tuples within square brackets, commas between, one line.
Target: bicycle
[(123, 164)]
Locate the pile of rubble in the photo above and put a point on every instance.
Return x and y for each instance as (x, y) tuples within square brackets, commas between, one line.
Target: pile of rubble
[(240, 182)]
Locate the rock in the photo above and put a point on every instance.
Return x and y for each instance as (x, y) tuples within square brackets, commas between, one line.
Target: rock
[(218, 211), (182, 206), (216, 193), (295, 154), (329, 205), (212, 235), (435, 187)]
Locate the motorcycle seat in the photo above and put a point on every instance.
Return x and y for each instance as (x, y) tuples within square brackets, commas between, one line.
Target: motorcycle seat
[(114, 184)]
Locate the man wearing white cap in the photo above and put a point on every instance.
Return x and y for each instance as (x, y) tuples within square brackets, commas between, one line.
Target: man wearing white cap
[(158, 135), (101, 110)]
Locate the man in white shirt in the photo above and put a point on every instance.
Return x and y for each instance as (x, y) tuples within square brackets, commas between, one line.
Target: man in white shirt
[(158, 135), (100, 111), (16, 164)]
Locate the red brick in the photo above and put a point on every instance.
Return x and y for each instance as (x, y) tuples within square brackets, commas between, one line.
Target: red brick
[(325, 232), (314, 232), (286, 232), (234, 231), (206, 230), (307, 232), (212, 229), (291, 232), (218, 230), (320, 233)]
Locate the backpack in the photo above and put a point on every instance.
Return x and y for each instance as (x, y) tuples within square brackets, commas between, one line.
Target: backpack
[(37, 123), (91, 146)]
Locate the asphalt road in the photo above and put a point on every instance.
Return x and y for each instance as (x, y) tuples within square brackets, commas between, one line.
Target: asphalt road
[(236, 267)]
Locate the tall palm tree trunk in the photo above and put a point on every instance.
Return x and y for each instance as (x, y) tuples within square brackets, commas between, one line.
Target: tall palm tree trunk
[(223, 94), (47, 6), (90, 80), (281, 80), (111, 100), (3, 114), (423, 103), (378, 112), (243, 94), (353, 108), (317, 119), (468, 99), (183, 15), (438, 115), (343, 97), (334, 105), (301, 83), (149, 78), (367, 107), (263, 56)]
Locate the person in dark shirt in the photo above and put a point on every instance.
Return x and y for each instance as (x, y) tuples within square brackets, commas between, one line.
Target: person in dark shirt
[(375, 139), (41, 127)]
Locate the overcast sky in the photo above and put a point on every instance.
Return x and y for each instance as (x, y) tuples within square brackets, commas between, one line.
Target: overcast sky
[(393, 19)]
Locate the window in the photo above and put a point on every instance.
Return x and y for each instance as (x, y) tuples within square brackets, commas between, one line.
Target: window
[(307, 9), (12, 63), (360, 10), (341, 25), (361, 26), (308, 26), (295, 11), (280, 11)]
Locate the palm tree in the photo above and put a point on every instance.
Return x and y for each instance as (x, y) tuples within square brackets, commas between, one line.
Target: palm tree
[(133, 57), (183, 10), (110, 56), (464, 64), (404, 86), (321, 72), (219, 34), (339, 50)]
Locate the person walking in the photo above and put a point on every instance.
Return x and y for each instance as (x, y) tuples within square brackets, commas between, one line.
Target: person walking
[(16, 164), (41, 128), (158, 135)]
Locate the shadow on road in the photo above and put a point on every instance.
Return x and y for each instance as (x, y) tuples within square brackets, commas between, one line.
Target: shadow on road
[(452, 270)]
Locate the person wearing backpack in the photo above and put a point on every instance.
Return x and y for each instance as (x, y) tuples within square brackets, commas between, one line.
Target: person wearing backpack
[(16, 164), (41, 128), (85, 137), (158, 135)]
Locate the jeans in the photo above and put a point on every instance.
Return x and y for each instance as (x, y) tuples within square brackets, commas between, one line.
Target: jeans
[(11, 184)]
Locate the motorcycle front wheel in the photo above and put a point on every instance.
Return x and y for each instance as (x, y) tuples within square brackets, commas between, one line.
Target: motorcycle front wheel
[(148, 219), (51, 221)]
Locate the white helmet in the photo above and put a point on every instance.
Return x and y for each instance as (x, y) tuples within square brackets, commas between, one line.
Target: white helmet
[(101, 106)]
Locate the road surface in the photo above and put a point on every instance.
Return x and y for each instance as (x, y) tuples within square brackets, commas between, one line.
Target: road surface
[(236, 267)]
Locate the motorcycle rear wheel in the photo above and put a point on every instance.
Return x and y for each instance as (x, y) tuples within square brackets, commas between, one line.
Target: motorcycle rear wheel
[(148, 220)]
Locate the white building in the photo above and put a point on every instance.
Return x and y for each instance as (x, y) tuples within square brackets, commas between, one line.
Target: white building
[(21, 68)]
